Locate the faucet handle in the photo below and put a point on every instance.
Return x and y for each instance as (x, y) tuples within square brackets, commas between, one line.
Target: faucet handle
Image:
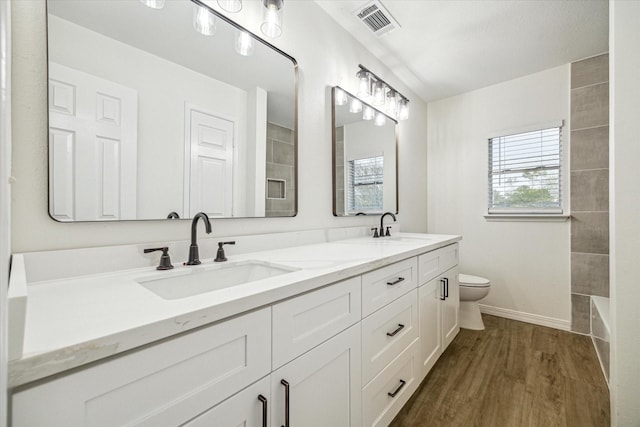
[(165, 260), (388, 234), (220, 256), (375, 232)]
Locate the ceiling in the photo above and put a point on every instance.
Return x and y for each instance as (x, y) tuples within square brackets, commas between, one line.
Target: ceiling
[(447, 47)]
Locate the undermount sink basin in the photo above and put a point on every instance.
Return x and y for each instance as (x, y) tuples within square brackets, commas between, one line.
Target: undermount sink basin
[(186, 283)]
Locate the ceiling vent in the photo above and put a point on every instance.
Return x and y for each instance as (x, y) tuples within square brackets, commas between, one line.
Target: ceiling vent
[(377, 18)]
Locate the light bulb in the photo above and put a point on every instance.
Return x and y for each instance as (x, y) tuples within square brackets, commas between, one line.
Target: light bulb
[(355, 106), (272, 18), (380, 119), (403, 109), (378, 94), (341, 97), (392, 103), (232, 6), (368, 113), (203, 20), (153, 4), (244, 43), (364, 84)]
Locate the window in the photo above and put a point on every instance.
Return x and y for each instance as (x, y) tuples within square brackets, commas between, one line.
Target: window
[(365, 179), (525, 173)]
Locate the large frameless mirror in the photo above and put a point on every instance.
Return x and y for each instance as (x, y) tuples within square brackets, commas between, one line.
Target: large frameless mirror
[(163, 113), (364, 157)]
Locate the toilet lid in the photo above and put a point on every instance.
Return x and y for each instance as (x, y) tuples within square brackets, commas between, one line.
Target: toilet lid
[(469, 280)]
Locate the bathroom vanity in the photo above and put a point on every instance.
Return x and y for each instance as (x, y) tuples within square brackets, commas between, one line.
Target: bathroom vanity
[(341, 337)]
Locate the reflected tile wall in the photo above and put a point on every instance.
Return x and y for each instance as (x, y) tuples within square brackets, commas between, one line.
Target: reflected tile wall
[(280, 166)]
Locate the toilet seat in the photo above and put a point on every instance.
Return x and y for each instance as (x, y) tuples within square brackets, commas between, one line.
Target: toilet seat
[(473, 281)]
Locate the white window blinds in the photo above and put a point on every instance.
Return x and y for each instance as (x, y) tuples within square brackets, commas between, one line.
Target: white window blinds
[(525, 172), (365, 182)]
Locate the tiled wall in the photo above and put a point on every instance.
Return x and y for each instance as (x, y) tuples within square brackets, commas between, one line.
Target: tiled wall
[(589, 186), (339, 172), (280, 166)]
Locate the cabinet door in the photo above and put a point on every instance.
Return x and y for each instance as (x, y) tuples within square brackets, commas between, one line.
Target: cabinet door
[(250, 407), (429, 303), (323, 385), (450, 306)]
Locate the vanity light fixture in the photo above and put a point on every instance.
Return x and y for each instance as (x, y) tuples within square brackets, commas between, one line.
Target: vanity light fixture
[(272, 18), (368, 113), (203, 20), (355, 106), (380, 119), (395, 103), (153, 4), (341, 97), (244, 43), (232, 6)]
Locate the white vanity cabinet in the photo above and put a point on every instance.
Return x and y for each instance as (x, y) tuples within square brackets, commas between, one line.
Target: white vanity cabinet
[(347, 354), (165, 384)]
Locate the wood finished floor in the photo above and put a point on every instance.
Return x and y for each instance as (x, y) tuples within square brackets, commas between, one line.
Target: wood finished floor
[(512, 374)]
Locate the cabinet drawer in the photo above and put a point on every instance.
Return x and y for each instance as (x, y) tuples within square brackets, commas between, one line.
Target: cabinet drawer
[(383, 397), (242, 409), (434, 263), (387, 332), (162, 385), (386, 284), (303, 322)]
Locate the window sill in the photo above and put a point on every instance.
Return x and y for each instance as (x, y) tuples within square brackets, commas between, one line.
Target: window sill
[(527, 217)]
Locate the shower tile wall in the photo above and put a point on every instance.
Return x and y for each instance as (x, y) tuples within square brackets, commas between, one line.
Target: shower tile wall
[(589, 186), (280, 163)]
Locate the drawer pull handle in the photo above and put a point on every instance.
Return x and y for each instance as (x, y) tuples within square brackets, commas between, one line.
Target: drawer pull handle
[(398, 280), (394, 393), (400, 327), (285, 383), (263, 400)]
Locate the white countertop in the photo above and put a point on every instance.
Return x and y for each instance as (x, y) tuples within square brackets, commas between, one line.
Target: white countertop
[(76, 320)]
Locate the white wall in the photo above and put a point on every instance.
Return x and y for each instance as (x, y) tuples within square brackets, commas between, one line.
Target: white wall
[(527, 262), (5, 193), (326, 56), (624, 152)]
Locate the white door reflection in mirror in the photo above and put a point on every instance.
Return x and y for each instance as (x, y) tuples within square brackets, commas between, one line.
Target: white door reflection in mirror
[(93, 147), (209, 141)]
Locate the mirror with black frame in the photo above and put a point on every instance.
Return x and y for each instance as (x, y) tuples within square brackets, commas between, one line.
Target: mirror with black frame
[(364, 157), (163, 113)]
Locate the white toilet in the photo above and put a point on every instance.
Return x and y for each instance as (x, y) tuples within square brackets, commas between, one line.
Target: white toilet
[(472, 289)]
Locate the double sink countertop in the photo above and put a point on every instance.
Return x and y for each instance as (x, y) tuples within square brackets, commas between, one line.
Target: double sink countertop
[(72, 321)]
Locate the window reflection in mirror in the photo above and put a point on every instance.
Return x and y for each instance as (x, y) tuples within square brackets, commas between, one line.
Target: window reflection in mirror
[(149, 116), (364, 158)]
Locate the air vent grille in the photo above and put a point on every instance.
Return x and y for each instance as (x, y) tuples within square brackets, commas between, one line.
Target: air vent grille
[(377, 18)]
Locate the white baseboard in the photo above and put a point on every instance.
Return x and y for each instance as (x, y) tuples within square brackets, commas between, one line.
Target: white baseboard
[(536, 319)]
